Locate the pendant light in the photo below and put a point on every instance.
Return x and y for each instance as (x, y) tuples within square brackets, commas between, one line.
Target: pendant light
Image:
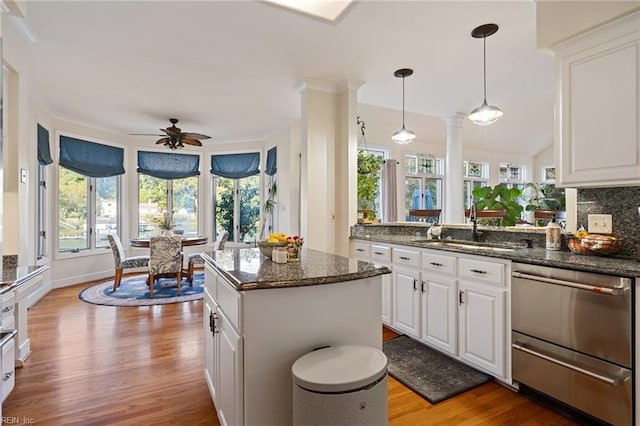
[(485, 114), (404, 135)]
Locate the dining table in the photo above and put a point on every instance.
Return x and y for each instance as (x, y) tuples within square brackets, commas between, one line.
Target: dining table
[(188, 240)]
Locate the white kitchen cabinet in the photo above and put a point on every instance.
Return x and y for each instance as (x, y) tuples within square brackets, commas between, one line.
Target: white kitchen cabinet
[(360, 250), (222, 349), (483, 338), (8, 364), (598, 106), (406, 301), (381, 254), (439, 313)]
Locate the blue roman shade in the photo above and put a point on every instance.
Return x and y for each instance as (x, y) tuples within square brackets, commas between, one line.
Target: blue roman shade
[(90, 158), (272, 161), (236, 166), (44, 154), (164, 165)]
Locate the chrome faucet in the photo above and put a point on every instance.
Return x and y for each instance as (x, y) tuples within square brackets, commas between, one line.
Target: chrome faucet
[(475, 234)]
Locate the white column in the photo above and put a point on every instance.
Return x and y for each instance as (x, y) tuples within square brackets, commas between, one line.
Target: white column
[(454, 197), (328, 189)]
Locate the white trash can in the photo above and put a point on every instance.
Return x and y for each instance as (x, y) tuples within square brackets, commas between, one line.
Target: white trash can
[(340, 385)]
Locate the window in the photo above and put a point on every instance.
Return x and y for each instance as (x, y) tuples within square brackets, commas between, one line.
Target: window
[(512, 175), (424, 180), (88, 194), (370, 184), (475, 175), (236, 195), (167, 182), (44, 159), (548, 174)]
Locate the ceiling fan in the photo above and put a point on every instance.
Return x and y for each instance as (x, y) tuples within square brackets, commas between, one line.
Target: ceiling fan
[(175, 138)]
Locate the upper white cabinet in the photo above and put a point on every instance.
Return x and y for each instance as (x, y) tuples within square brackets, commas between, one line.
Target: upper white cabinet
[(598, 106)]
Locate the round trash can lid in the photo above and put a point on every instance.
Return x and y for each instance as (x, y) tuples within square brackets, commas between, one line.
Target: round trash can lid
[(339, 368)]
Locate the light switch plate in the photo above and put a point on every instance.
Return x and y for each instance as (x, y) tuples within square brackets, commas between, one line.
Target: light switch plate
[(599, 223)]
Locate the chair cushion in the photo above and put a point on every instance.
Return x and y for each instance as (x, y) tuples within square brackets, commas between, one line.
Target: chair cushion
[(195, 258), (165, 255), (134, 262)]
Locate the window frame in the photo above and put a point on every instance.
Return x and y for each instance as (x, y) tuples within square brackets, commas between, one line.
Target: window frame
[(472, 180), (423, 173)]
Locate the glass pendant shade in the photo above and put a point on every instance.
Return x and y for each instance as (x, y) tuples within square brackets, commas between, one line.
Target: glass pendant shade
[(403, 136), (485, 114)]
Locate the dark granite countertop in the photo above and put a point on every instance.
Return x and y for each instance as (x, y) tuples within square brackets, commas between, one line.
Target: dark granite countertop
[(14, 276), (247, 269), (619, 266)]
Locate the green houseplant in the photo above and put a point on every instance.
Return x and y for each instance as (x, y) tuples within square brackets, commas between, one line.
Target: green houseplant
[(369, 166), (544, 196), (500, 197)]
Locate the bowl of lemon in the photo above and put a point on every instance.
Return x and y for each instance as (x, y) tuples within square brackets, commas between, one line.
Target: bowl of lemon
[(275, 240)]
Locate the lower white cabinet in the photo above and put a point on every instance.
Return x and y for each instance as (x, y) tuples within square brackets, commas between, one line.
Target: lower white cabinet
[(439, 325), (481, 326), (229, 369), (380, 254), (406, 301), (8, 364)]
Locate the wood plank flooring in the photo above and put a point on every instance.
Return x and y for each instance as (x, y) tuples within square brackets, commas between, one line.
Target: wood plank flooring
[(102, 365)]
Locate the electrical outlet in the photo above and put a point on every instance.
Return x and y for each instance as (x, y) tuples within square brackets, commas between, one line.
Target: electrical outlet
[(599, 223)]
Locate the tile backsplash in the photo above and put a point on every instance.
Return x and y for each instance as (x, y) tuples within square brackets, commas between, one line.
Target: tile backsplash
[(622, 203)]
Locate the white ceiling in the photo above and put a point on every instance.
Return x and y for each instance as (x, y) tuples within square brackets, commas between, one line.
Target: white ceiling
[(228, 68)]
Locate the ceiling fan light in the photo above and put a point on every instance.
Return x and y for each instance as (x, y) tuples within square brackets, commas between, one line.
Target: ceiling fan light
[(485, 114), (403, 136)]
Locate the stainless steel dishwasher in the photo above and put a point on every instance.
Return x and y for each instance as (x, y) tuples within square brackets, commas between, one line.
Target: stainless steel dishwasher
[(572, 339)]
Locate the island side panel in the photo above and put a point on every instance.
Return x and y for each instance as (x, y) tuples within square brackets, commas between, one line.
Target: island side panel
[(281, 325)]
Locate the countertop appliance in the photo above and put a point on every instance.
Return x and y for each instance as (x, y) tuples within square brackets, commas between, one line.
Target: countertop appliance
[(572, 339)]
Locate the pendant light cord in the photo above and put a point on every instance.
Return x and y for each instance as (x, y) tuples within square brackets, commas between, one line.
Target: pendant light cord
[(403, 102), (484, 58)]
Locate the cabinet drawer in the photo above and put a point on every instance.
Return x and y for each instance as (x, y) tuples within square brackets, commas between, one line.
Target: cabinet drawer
[(229, 302), (410, 258), (380, 253), (438, 263), (8, 368), (478, 270), (8, 307), (360, 250)]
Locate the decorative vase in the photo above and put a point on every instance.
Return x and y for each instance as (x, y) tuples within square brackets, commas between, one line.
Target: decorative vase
[(167, 233), (293, 254)]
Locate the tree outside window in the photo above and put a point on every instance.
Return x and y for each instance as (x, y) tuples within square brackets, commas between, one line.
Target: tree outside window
[(237, 207), (177, 196)]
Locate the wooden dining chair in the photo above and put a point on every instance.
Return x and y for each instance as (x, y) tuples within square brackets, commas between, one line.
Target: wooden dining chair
[(165, 260), (488, 217), (543, 217), (121, 261), (196, 258), (430, 216)]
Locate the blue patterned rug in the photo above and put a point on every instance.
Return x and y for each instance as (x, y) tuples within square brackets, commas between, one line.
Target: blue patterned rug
[(133, 291)]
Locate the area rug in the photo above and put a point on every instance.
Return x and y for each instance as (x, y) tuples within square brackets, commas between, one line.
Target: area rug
[(133, 291), (430, 374)]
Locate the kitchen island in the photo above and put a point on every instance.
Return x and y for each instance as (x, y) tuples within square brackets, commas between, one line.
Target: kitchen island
[(261, 316)]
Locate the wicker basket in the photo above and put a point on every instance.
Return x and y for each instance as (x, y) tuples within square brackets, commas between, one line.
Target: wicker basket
[(595, 245)]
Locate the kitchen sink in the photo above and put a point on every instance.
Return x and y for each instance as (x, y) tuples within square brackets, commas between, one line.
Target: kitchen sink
[(473, 245)]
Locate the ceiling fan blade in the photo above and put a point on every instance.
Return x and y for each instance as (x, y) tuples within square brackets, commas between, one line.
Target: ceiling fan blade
[(144, 134), (163, 140), (171, 131), (195, 136), (190, 141)]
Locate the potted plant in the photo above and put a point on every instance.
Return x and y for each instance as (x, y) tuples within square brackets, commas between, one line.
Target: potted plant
[(544, 196), (500, 197), (268, 207)]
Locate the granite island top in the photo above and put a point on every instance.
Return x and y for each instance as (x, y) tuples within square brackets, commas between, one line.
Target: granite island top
[(619, 266), (14, 276), (247, 269)]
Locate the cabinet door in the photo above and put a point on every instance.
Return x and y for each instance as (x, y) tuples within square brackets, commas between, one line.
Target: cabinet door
[(8, 368), (209, 343), (230, 371), (439, 312), (387, 298), (481, 326), (406, 301), (598, 106)]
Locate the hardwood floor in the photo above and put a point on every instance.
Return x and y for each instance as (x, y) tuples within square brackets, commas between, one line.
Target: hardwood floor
[(101, 365)]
